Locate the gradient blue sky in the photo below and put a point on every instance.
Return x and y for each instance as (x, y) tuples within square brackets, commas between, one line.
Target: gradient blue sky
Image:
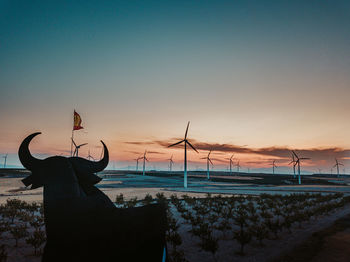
[(255, 74)]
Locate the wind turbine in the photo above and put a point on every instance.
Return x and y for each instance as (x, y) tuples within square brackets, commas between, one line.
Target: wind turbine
[(298, 163), (5, 159), (208, 162), (238, 166), (337, 164), (186, 142), (137, 162), (76, 151), (90, 156), (231, 163), (171, 162), (144, 162), (273, 166), (294, 164)]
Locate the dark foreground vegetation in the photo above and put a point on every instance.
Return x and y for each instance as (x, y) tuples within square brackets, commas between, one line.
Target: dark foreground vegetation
[(244, 220), (21, 222)]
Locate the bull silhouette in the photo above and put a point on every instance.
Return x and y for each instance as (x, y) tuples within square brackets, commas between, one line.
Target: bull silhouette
[(81, 222)]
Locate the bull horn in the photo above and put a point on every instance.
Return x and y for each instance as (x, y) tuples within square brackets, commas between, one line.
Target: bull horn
[(86, 166), (102, 164), (27, 160)]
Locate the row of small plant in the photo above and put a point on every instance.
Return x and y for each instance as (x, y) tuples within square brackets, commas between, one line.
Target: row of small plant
[(21, 220), (246, 218), (240, 218)]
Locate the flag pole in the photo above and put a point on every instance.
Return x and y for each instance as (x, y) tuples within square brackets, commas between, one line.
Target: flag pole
[(71, 143)]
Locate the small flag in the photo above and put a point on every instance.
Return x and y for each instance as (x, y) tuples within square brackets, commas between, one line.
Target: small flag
[(77, 121)]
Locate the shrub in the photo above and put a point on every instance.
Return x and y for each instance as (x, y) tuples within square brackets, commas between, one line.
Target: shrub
[(147, 200), (18, 231), (131, 203), (36, 240), (119, 199), (243, 237), (260, 232)]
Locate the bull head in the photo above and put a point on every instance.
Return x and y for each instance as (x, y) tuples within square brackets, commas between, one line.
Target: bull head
[(59, 167)]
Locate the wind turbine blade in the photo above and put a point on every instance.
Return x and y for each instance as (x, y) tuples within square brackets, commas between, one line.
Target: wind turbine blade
[(74, 143), (203, 157), (295, 154), (188, 124), (210, 161), (191, 146), (83, 144), (335, 165), (305, 158), (176, 143)]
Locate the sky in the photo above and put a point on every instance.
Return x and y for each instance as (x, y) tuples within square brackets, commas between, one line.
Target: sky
[(255, 78)]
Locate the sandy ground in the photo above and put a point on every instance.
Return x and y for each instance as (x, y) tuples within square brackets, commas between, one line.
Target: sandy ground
[(14, 188)]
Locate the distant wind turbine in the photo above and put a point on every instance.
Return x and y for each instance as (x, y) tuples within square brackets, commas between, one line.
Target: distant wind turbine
[(90, 156), (294, 164), (171, 162), (186, 142), (137, 162), (238, 166), (5, 159), (76, 151), (144, 162), (231, 163), (273, 166), (298, 163), (208, 163), (337, 164)]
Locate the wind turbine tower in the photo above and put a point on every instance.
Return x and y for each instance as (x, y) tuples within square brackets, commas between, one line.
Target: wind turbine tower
[(298, 163), (337, 164), (238, 166), (208, 163), (186, 142), (273, 166), (144, 162), (137, 163), (231, 163), (5, 159), (171, 162)]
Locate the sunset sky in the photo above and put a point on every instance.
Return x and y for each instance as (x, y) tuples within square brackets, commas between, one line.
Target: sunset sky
[(255, 78)]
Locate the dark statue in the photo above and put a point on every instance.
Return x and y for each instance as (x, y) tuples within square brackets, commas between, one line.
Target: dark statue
[(82, 223)]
